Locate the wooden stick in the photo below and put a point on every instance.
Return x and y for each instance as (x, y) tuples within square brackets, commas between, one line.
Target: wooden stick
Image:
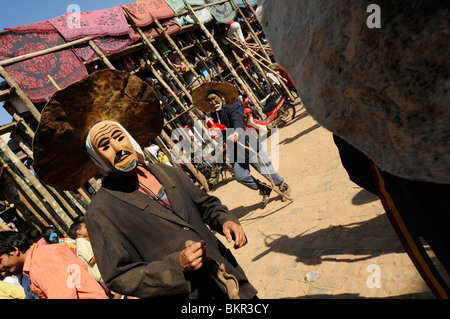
[(35, 182), (101, 55), (26, 100), (53, 82), (268, 175), (267, 67), (209, 60), (21, 121), (246, 72), (46, 51), (22, 185)]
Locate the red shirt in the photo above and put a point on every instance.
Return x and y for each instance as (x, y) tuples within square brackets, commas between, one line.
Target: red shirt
[(56, 273)]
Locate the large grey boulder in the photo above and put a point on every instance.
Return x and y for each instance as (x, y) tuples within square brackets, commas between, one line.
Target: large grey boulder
[(384, 90)]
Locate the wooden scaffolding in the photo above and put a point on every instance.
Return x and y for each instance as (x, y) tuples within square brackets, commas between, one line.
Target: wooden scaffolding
[(202, 53)]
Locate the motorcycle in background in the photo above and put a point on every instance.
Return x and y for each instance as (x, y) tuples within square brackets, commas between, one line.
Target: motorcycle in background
[(277, 109)]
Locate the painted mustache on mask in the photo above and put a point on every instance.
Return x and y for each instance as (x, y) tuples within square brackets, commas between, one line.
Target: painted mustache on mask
[(119, 155)]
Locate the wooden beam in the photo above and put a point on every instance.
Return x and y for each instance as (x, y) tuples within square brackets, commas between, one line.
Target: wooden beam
[(26, 100), (4, 95), (216, 46), (161, 60), (46, 51), (101, 55), (7, 128), (200, 7), (252, 32), (175, 46), (36, 183)]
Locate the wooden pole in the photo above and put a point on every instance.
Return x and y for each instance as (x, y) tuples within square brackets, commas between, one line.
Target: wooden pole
[(266, 67), (26, 100), (249, 27), (74, 201), (209, 60), (101, 55), (18, 139), (166, 151), (166, 86), (63, 202), (9, 189), (42, 52), (191, 167), (225, 60), (161, 60), (246, 73), (35, 182), (200, 177), (22, 185), (27, 129), (180, 53)]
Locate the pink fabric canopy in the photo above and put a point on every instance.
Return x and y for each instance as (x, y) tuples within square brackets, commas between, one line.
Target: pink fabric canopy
[(144, 12)]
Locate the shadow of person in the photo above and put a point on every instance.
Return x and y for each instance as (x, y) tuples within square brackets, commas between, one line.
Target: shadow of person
[(347, 243), (364, 197)]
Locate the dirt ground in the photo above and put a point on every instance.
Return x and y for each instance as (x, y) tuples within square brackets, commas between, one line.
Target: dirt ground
[(333, 241)]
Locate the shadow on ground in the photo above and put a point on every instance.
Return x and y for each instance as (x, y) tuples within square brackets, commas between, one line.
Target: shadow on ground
[(360, 240)]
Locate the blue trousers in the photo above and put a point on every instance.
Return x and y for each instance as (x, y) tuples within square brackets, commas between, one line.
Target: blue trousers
[(261, 163)]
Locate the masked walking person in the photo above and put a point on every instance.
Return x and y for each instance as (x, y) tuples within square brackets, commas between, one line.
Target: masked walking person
[(218, 99), (147, 223)]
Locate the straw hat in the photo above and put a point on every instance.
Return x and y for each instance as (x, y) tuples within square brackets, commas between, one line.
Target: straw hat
[(60, 157), (200, 94)]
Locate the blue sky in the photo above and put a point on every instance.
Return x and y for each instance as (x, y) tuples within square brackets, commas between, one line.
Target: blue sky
[(19, 12)]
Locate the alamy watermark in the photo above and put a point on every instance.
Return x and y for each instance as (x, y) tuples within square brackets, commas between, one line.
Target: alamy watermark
[(374, 19), (374, 279), (74, 16), (74, 278)]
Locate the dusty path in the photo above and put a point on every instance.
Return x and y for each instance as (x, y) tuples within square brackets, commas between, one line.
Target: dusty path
[(333, 228)]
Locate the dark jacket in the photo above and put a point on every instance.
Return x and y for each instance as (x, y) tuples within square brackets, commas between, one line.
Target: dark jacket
[(137, 241), (230, 116)]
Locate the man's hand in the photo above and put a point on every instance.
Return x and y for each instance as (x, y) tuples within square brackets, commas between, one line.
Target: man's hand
[(192, 257), (233, 137), (231, 230)]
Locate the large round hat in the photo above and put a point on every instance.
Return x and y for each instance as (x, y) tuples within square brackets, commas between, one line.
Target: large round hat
[(200, 94), (60, 157)]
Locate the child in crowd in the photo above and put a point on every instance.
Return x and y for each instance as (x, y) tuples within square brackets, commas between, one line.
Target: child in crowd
[(84, 248), (84, 252)]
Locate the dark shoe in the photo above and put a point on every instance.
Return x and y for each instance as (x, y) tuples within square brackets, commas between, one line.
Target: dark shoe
[(284, 188), (265, 192)]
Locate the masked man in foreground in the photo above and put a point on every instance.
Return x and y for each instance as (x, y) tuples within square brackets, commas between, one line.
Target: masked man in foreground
[(147, 223)]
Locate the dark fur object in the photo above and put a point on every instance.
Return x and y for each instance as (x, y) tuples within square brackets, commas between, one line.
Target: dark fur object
[(383, 90), (60, 157)]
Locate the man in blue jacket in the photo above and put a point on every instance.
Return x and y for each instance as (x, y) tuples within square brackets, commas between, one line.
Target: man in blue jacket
[(218, 98)]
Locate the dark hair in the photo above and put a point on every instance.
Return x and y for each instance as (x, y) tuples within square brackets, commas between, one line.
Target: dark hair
[(47, 234), (34, 235), (76, 226), (10, 240)]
